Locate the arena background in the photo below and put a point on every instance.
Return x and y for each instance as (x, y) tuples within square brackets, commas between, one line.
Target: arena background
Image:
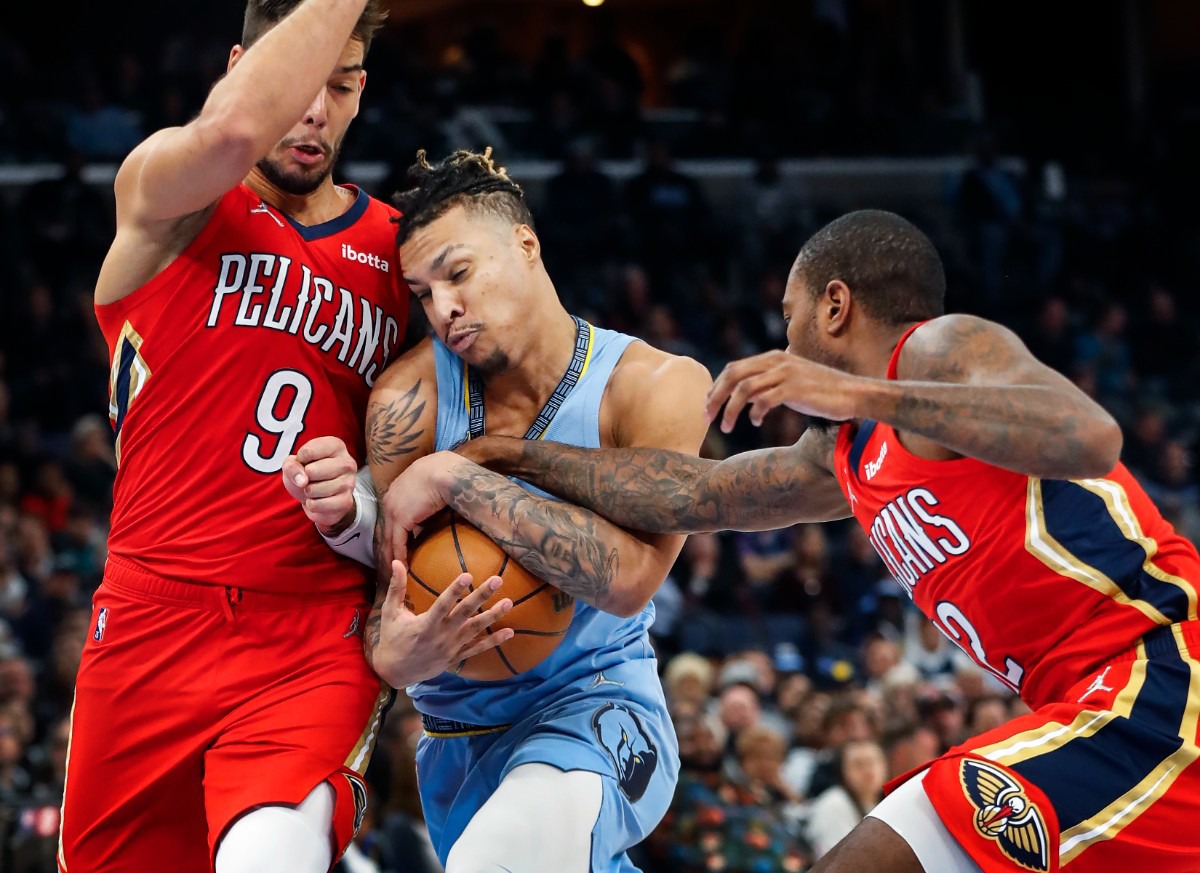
[(676, 154)]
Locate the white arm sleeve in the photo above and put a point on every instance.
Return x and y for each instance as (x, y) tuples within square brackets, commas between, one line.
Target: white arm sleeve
[(358, 540)]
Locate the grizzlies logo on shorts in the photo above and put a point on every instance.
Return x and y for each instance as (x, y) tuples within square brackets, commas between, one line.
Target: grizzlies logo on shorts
[(621, 734)]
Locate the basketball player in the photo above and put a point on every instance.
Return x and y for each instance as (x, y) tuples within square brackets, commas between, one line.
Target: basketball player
[(566, 766), (989, 485), (224, 712)]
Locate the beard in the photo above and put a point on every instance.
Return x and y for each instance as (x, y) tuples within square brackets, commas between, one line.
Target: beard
[(301, 180), (493, 363)]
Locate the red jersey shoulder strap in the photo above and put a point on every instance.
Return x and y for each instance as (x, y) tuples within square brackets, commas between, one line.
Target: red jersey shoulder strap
[(892, 364)]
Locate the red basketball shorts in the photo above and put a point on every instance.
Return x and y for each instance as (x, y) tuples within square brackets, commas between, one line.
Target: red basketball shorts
[(195, 704), (1105, 781)]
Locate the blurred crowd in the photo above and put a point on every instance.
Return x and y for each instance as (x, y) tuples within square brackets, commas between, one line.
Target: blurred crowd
[(799, 677)]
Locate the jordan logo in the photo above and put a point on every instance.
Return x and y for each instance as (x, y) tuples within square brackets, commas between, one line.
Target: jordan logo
[(1097, 685), (599, 680), (353, 627), (263, 209)]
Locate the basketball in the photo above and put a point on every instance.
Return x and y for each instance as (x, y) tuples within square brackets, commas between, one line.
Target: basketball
[(541, 613)]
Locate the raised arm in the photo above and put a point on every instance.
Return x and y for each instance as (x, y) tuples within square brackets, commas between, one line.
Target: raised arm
[(663, 491), (182, 170), (967, 385)]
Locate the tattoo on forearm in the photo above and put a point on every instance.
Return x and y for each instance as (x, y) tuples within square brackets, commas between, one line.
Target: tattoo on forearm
[(560, 544), (392, 428), (662, 491)]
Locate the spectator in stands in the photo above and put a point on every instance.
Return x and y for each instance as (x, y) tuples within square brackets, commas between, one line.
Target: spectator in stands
[(861, 772)]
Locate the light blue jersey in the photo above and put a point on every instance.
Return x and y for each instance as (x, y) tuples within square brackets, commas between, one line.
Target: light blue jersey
[(595, 704)]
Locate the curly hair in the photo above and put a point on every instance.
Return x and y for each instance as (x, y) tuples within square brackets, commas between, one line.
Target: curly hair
[(891, 265), (262, 15), (465, 178)]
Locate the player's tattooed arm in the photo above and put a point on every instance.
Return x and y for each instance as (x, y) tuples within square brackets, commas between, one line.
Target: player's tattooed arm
[(973, 387), (572, 548), (394, 426), (661, 491)]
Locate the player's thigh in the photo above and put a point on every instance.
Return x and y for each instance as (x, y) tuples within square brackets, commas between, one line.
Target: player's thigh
[(140, 722), (311, 712), (539, 818)]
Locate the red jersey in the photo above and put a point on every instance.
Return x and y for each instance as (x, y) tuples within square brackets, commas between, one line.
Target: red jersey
[(261, 335), (1038, 580)]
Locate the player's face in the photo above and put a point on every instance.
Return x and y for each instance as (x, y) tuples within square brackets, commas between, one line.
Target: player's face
[(304, 158), (470, 270), (806, 339)]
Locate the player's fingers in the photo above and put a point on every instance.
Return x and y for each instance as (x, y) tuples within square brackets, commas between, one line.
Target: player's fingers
[(762, 404), (324, 469), (480, 623), (745, 391), (449, 597), (733, 375), (473, 602), (719, 393), (487, 641), (321, 447), (293, 473), (328, 510), (340, 486), (397, 586)]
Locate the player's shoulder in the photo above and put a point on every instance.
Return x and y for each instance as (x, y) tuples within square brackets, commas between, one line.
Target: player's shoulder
[(951, 347), (415, 365), (644, 367), (656, 398)]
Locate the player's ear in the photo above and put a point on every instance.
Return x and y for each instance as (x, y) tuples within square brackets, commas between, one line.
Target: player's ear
[(835, 307), (235, 54), (530, 245)]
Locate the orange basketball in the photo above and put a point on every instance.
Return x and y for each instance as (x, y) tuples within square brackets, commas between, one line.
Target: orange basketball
[(541, 613)]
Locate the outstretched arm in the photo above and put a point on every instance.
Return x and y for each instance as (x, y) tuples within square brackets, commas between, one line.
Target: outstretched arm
[(965, 384), (662, 491)]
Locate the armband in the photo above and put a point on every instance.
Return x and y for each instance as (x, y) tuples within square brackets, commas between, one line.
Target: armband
[(358, 540)]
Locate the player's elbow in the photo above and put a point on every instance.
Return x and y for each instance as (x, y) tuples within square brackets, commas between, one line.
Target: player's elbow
[(230, 134), (1103, 448), (631, 597), (626, 604)]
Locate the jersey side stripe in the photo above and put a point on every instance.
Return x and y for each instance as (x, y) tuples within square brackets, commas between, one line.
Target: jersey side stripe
[(1070, 530)]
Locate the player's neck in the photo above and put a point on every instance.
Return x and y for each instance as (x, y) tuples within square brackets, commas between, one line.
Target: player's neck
[(533, 377), (872, 355), (326, 203)]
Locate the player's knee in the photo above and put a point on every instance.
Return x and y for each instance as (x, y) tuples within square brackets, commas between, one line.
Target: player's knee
[(281, 839)]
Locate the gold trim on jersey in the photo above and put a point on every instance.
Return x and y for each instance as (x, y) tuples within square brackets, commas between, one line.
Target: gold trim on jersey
[(1114, 497), (1052, 553), (1126, 809), (360, 755), (139, 375)]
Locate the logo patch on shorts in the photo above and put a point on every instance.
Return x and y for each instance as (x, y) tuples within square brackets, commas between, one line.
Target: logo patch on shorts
[(101, 624), (627, 743), (1004, 813), (359, 790)]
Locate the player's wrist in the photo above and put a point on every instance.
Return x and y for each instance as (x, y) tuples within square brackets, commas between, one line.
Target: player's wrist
[(347, 521), (495, 453)]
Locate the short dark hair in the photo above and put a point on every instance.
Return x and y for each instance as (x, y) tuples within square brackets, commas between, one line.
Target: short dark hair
[(262, 15), (465, 178), (891, 267)]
